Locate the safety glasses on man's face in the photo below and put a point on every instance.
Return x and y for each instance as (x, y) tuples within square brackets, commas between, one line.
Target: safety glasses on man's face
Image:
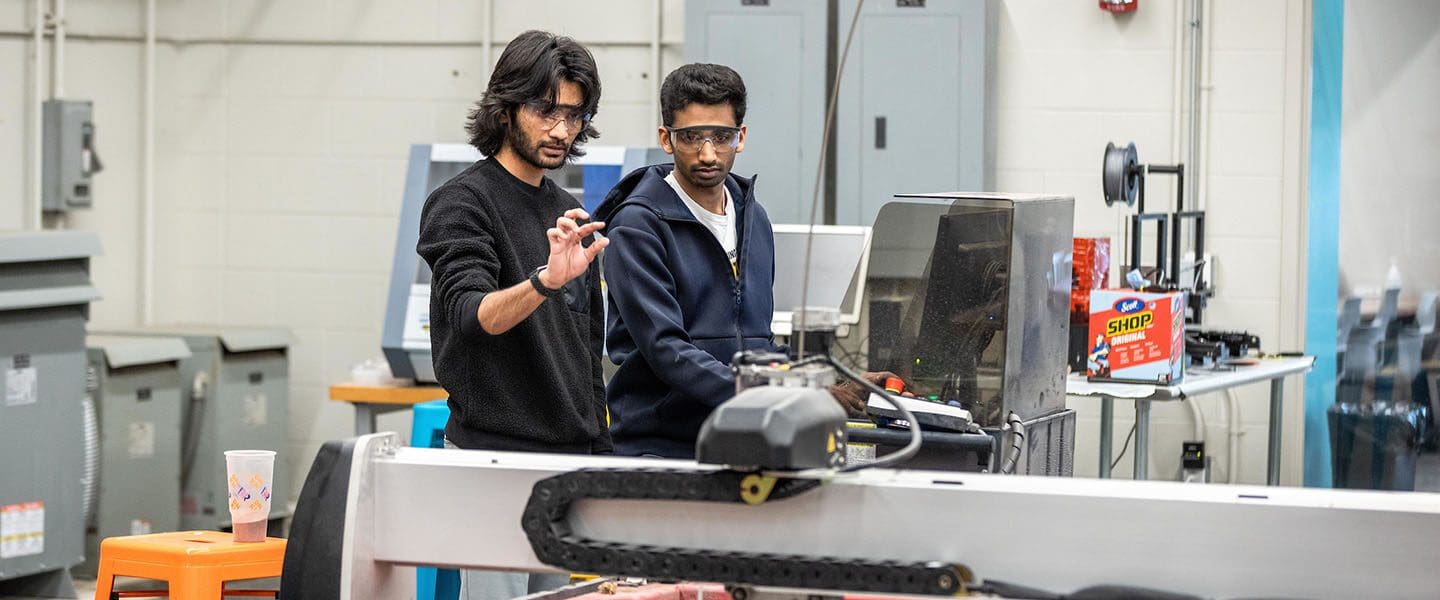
[(552, 114), (692, 139)]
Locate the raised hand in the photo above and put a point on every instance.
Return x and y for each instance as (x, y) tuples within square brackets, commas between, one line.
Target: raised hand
[(569, 258)]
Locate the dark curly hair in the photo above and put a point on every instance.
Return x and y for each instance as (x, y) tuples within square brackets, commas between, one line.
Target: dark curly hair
[(530, 69), (700, 83)]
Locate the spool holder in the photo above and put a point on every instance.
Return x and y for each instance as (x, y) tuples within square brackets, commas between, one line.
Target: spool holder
[(1123, 181)]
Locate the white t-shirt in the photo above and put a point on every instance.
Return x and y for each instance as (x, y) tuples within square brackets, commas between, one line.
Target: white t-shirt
[(723, 226)]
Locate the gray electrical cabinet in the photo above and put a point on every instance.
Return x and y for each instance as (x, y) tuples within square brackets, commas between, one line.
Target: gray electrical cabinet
[(134, 385), (45, 295), (236, 391), (911, 110), (70, 157), (779, 48)]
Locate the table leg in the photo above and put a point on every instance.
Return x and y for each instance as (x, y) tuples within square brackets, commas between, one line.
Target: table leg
[(1277, 396), (1107, 435), (364, 419), (1142, 439)]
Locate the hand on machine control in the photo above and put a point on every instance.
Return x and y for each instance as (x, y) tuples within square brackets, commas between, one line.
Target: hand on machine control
[(853, 398), (569, 258)]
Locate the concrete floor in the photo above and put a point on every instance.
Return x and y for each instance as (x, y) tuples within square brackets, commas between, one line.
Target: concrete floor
[(85, 588)]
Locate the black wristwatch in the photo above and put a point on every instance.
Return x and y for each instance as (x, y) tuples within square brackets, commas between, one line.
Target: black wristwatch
[(540, 287)]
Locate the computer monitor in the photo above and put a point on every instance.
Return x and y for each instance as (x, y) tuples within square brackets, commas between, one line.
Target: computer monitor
[(839, 260)]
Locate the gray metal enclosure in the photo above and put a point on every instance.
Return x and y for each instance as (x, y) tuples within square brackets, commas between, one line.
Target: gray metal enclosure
[(135, 388), (70, 156), (969, 298), (911, 114), (779, 48), (1049, 445), (236, 392), (45, 294), (911, 108)]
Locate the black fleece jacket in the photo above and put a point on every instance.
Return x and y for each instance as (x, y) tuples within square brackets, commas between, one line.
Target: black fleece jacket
[(536, 387)]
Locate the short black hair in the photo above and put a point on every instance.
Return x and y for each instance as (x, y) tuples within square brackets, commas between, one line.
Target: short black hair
[(701, 83), (530, 69)]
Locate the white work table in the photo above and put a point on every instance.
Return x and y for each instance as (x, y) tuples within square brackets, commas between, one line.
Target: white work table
[(1197, 381)]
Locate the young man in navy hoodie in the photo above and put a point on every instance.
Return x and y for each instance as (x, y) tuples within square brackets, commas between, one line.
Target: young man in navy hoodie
[(689, 272)]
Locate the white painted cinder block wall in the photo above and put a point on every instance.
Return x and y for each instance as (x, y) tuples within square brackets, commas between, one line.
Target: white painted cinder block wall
[(288, 160), (280, 164), (281, 153), (1071, 77), (107, 72)]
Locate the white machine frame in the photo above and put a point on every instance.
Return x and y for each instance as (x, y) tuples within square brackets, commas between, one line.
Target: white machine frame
[(414, 506)]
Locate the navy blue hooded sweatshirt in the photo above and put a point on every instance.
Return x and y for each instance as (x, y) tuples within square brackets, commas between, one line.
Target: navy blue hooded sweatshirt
[(677, 313)]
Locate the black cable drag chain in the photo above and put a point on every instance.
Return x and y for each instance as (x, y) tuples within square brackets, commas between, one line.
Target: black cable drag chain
[(546, 522)]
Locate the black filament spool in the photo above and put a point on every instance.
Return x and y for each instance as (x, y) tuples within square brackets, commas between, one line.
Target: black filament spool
[(1121, 174)]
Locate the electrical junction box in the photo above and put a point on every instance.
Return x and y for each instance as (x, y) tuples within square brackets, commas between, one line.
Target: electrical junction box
[(69, 155), (1194, 463)]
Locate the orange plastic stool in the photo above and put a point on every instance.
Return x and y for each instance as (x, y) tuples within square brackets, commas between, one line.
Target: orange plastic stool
[(195, 563)]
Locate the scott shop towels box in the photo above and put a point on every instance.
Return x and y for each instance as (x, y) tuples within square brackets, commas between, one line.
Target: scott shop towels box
[(1137, 337)]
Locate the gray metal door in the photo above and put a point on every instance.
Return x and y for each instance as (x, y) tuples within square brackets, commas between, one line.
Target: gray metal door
[(911, 113), (779, 49)]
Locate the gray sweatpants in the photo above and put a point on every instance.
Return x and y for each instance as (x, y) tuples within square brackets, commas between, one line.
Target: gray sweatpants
[(501, 585)]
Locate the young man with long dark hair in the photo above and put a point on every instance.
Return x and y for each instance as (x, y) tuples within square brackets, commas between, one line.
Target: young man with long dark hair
[(516, 319)]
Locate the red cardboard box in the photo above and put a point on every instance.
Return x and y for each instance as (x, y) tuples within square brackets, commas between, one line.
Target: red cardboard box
[(1091, 272), (1092, 263), (1136, 337)]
